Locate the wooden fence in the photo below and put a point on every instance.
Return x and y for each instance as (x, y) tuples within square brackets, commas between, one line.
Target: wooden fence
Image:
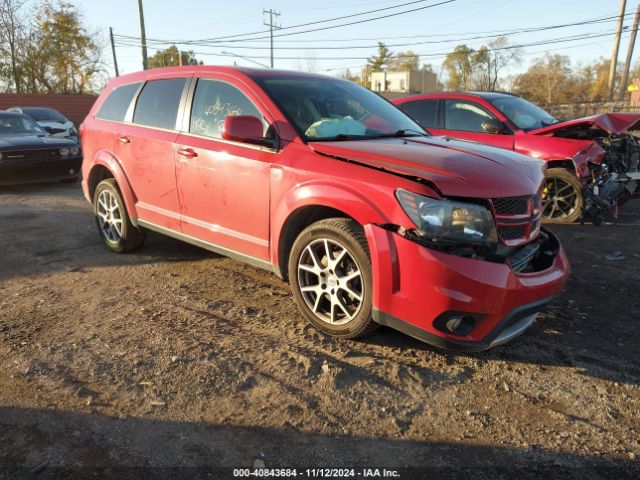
[(74, 107)]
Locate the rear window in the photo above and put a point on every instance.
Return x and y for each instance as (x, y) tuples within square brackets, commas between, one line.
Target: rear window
[(117, 103), (158, 103), (422, 111)]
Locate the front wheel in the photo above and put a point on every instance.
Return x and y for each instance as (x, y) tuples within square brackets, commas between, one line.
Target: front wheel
[(330, 276), (112, 219), (562, 197)]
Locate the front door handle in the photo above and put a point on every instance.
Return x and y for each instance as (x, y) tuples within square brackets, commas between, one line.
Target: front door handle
[(124, 139), (187, 152)]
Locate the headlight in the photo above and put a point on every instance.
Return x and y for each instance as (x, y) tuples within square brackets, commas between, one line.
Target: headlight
[(64, 152), (74, 151), (448, 220)]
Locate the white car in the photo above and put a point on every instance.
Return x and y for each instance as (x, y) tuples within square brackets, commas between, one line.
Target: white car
[(56, 124)]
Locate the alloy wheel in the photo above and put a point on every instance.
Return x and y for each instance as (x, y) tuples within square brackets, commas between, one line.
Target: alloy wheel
[(330, 281), (109, 216), (560, 199)]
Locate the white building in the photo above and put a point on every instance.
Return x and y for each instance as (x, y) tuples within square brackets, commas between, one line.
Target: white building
[(409, 81)]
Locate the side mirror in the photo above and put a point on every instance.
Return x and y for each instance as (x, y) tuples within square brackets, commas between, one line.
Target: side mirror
[(492, 125), (245, 129)]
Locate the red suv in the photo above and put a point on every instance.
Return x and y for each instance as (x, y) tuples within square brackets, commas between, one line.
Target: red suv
[(328, 185)]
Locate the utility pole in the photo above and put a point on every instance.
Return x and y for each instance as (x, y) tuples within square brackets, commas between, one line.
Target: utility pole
[(627, 63), (143, 38), (113, 51), (616, 47), (271, 26)]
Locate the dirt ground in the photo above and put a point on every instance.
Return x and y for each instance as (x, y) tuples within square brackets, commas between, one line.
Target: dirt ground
[(173, 362)]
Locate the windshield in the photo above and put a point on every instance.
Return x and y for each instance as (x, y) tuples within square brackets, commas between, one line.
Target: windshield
[(333, 109), (44, 115), (18, 124), (524, 115)]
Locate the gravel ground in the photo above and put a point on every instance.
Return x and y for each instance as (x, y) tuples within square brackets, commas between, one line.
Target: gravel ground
[(175, 362)]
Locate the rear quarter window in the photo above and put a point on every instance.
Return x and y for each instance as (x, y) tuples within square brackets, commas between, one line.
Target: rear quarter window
[(422, 111), (158, 103), (117, 103)]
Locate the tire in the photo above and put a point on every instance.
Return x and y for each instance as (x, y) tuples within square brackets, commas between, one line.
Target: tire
[(562, 198), (336, 305), (112, 219)]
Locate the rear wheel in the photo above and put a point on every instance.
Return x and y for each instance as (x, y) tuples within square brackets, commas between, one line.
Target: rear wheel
[(112, 219), (330, 276), (562, 197)]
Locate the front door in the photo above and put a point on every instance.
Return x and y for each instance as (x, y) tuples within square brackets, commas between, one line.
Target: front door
[(223, 186), (463, 119)]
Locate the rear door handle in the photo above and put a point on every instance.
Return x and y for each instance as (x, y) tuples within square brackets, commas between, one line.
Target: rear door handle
[(187, 152), (124, 139)]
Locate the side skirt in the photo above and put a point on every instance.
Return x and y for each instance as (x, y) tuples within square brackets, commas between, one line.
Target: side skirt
[(256, 262)]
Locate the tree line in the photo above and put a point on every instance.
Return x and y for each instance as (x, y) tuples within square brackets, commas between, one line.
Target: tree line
[(45, 48), (549, 79)]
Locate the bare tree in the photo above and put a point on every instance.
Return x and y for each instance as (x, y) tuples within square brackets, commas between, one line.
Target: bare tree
[(12, 30)]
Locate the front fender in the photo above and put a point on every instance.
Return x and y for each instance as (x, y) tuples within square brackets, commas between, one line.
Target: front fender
[(110, 162), (343, 198)]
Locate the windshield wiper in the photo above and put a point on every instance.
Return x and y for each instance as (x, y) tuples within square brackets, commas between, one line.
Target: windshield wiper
[(404, 132)]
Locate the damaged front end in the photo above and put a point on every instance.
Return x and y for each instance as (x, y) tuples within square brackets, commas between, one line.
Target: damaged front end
[(615, 180), (503, 230), (612, 178)]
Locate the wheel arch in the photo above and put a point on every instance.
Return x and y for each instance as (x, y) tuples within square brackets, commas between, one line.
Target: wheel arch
[(105, 166), (567, 164), (311, 203)]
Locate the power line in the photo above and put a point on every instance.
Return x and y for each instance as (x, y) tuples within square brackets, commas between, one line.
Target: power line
[(423, 55), (491, 34), (450, 40), (234, 38)]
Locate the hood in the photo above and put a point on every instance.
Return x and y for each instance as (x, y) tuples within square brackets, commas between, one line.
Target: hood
[(609, 122), (457, 168), (26, 142), (52, 124)]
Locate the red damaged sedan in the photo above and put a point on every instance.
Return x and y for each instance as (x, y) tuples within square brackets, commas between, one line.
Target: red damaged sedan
[(592, 162), (322, 182)]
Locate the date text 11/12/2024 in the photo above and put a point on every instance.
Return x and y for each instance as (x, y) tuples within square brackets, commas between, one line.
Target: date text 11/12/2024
[(315, 473)]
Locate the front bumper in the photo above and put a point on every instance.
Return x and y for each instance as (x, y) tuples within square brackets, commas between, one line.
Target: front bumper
[(14, 172), (414, 286)]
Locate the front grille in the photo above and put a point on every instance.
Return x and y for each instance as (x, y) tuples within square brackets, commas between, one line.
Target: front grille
[(511, 205), (31, 155), (512, 233), (517, 218)]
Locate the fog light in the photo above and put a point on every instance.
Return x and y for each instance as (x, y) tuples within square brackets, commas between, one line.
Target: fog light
[(459, 324), (72, 171)]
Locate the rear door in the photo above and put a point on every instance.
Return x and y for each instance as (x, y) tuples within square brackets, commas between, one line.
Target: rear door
[(424, 112), (146, 146), (463, 119), (223, 185)]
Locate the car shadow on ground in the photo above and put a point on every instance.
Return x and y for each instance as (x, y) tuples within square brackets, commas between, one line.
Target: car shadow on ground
[(48, 443)]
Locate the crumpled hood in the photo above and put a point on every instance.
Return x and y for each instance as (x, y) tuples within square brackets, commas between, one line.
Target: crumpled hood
[(609, 122), (456, 167)]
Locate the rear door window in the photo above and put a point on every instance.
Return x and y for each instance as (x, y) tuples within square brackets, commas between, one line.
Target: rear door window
[(422, 111), (158, 103), (117, 103), (213, 102)]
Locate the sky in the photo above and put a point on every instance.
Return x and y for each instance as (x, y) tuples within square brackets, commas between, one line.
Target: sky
[(448, 24)]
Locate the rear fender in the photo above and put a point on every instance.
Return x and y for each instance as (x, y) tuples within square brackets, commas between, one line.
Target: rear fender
[(110, 162)]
